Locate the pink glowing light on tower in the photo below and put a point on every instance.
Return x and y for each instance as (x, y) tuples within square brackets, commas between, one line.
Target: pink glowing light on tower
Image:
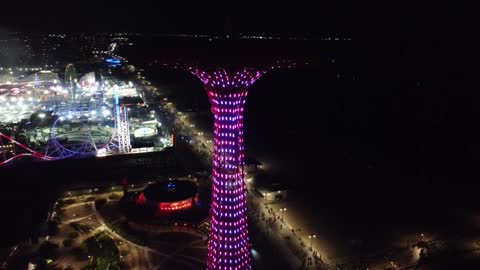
[(228, 246)]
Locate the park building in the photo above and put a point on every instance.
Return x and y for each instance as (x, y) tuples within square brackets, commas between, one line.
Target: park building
[(169, 196), (270, 190)]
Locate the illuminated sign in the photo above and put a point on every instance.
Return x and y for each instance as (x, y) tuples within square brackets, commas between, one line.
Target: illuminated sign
[(112, 61), (144, 132), (174, 206)]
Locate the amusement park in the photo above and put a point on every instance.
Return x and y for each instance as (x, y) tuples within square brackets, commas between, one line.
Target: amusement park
[(48, 115)]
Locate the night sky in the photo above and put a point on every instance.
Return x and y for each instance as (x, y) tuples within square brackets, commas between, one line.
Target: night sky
[(360, 18)]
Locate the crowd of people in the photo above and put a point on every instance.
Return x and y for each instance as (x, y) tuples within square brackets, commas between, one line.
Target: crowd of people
[(275, 223)]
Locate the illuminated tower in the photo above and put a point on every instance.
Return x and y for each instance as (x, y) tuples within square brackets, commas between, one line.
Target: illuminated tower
[(227, 69), (228, 246)]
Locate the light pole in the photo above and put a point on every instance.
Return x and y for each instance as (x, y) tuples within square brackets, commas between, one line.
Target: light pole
[(311, 236), (283, 210)]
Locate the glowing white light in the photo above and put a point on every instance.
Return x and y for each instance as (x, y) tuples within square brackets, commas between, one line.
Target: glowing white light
[(41, 115), (105, 113)]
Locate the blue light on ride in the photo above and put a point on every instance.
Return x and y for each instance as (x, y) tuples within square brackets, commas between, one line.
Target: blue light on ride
[(113, 61)]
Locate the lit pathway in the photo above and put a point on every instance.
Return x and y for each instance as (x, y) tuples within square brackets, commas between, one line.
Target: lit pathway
[(292, 250)]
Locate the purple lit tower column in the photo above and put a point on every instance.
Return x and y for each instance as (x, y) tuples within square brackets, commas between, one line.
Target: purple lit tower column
[(228, 246)]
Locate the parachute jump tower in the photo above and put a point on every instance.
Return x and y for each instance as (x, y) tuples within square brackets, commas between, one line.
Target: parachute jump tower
[(228, 246), (227, 69), (122, 136), (227, 90)]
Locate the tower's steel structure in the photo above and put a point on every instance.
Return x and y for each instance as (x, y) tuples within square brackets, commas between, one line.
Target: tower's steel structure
[(122, 136), (228, 246)]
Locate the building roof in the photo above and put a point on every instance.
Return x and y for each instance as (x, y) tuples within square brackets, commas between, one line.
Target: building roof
[(170, 191), (266, 183), (274, 187)]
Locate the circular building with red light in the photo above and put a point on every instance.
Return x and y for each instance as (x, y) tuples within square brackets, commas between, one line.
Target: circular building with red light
[(169, 196)]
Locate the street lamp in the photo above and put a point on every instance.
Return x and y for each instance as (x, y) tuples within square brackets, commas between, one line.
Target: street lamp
[(311, 236), (283, 210)]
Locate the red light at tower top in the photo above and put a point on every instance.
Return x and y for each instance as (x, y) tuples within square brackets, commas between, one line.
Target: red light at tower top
[(228, 246)]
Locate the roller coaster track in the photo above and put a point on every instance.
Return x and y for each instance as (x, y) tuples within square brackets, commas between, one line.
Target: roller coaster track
[(55, 150), (31, 152)]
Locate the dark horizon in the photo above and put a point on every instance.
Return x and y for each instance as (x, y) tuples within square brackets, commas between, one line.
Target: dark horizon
[(349, 18)]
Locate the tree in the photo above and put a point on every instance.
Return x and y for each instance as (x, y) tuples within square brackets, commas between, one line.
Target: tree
[(100, 203), (48, 250), (79, 253), (73, 235), (67, 242), (52, 227)]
